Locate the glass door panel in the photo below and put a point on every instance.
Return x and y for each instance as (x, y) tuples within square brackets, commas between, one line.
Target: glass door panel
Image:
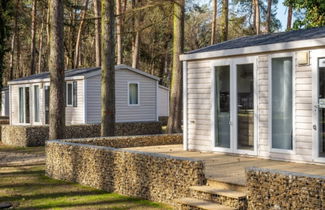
[(245, 106), (222, 106), (282, 92), (321, 111)]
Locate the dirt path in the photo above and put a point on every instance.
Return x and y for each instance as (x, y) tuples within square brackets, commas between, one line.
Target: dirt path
[(17, 156)]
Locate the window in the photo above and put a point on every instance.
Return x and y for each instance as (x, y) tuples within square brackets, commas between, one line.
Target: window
[(24, 105), (36, 103), (71, 93), (282, 95), (133, 93), (47, 103)]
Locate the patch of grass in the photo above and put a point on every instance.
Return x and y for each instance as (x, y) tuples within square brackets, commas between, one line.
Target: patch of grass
[(32, 150), (27, 187)]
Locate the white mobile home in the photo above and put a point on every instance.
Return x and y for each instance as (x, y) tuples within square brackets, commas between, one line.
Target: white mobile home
[(136, 97), (260, 95)]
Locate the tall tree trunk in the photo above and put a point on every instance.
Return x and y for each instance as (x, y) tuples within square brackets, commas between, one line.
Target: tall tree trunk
[(289, 21), (224, 29), (33, 40), (77, 46), (254, 15), (268, 18), (97, 32), (56, 67), (214, 22), (175, 117), (257, 16), (136, 35), (119, 25), (40, 54), (108, 68), (12, 57)]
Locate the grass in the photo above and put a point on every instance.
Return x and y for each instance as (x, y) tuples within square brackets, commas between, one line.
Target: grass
[(27, 187)]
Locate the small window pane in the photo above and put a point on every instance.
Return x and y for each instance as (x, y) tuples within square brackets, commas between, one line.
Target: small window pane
[(36, 103), (21, 105), (133, 93), (27, 103), (75, 93), (69, 94)]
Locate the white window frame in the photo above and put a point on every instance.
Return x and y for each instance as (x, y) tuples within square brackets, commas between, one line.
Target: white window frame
[(39, 104), (232, 63), (293, 57), (129, 83), (67, 95), (24, 107)]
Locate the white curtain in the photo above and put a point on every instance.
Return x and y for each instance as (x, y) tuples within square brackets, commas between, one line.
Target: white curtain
[(282, 103)]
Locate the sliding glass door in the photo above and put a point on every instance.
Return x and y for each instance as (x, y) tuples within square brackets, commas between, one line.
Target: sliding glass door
[(234, 106), (245, 107), (222, 106)]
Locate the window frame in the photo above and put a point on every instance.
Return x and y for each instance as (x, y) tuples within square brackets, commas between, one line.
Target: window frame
[(128, 95), (270, 118), (67, 95)]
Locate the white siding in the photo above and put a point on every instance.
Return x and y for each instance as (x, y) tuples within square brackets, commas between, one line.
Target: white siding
[(163, 101), (199, 105), (75, 115), (147, 109)]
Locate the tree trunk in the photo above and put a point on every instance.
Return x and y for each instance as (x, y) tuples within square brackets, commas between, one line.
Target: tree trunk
[(77, 46), (224, 32), (214, 22), (97, 32), (108, 68), (40, 54), (175, 117), (289, 21), (56, 67), (268, 20), (258, 25), (136, 35), (33, 40), (119, 25), (12, 57)]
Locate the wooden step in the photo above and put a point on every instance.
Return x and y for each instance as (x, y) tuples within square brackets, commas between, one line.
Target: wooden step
[(221, 192), (193, 203), (235, 199), (226, 186)]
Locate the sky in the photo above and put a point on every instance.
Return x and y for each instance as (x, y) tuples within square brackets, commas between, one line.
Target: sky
[(281, 12)]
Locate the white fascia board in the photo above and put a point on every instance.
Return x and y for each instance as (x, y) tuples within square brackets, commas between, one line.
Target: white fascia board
[(42, 80), (309, 43)]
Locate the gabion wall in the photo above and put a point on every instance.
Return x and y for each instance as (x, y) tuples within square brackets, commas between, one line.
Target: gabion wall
[(150, 176), (271, 189), (27, 136)]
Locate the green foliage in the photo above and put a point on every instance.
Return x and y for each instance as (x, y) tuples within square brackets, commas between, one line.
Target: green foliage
[(244, 10), (310, 13)]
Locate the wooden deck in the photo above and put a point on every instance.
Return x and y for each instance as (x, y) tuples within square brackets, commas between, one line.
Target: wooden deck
[(231, 168)]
